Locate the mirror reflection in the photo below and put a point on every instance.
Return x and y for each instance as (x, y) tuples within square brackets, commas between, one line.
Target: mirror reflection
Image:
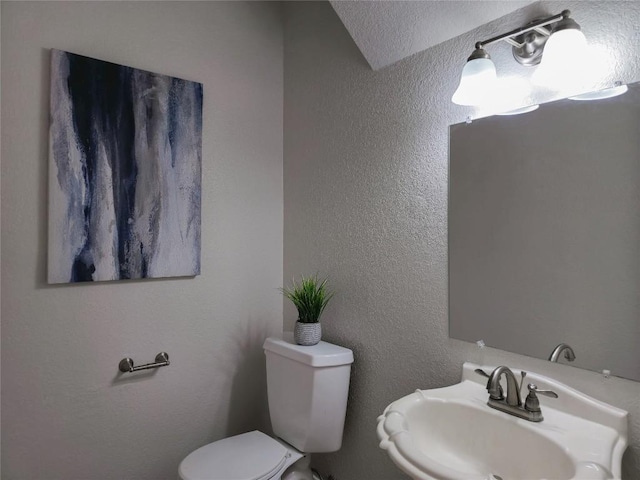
[(544, 232)]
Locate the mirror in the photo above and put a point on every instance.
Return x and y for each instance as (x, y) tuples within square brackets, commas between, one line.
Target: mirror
[(544, 232)]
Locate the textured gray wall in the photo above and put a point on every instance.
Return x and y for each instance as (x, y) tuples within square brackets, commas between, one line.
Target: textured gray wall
[(366, 203), (66, 412)]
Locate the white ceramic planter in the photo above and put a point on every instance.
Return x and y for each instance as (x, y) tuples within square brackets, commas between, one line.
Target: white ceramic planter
[(307, 334)]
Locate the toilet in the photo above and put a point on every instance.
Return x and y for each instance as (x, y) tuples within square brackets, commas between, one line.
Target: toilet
[(307, 390)]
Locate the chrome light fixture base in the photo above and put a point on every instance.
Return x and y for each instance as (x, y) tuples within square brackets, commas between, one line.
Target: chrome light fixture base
[(528, 46), (528, 52), (567, 23), (479, 52)]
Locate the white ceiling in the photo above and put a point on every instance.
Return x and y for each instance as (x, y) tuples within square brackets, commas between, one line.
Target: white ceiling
[(388, 31)]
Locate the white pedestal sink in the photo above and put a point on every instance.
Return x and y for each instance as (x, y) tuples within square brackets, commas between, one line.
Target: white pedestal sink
[(451, 433)]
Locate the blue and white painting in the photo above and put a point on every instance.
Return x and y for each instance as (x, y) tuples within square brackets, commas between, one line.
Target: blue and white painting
[(124, 172)]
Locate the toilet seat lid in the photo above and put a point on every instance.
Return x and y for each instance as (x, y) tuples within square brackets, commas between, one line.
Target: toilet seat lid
[(250, 456)]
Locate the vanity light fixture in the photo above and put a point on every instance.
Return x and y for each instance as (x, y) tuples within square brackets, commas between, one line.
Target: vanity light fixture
[(565, 46)]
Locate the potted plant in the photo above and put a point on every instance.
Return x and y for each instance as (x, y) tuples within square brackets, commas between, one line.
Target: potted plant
[(310, 297)]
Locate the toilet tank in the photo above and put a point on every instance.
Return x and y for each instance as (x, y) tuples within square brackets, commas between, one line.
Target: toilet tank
[(307, 390)]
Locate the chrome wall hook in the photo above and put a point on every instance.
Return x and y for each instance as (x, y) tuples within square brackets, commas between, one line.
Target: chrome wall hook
[(126, 364)]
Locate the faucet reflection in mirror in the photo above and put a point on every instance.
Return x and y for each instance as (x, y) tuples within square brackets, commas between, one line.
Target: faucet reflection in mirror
[(569, 354)]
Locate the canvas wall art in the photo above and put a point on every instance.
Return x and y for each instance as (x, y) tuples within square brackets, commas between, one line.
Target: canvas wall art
[(124, 172)]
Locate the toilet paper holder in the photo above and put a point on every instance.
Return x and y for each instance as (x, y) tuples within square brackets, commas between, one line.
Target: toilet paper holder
[(126, 364)]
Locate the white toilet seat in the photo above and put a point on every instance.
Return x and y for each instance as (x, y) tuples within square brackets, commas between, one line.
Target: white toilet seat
[(250, 456)]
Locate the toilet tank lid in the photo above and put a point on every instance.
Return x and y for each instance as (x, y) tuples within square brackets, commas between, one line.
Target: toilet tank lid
[(323, 354)]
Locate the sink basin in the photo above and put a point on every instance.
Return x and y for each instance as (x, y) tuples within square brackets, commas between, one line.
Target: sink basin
[(459, 434), (451, 433)]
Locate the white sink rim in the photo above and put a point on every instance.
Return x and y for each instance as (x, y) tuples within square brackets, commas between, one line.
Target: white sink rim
[(566, 420)]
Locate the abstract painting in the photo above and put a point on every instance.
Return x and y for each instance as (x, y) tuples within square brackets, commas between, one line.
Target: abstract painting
[(124, 172)]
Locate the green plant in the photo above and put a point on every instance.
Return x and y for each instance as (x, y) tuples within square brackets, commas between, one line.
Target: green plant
[(310, 297)]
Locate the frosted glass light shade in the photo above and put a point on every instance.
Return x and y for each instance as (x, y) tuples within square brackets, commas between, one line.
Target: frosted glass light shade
[(521, 110), (477, 83), (513, 92), (601, 94), (563, 60)]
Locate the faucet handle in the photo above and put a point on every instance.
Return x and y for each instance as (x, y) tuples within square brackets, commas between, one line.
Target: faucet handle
[(547, 393), (482, 373), (532, 404)]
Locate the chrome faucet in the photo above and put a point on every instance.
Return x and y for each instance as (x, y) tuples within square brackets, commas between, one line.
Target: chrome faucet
[(568, 353), (512, 403), (513, 390)]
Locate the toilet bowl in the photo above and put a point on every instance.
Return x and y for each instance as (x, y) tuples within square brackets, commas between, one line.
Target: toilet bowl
[(250, 456), (307, 390)]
